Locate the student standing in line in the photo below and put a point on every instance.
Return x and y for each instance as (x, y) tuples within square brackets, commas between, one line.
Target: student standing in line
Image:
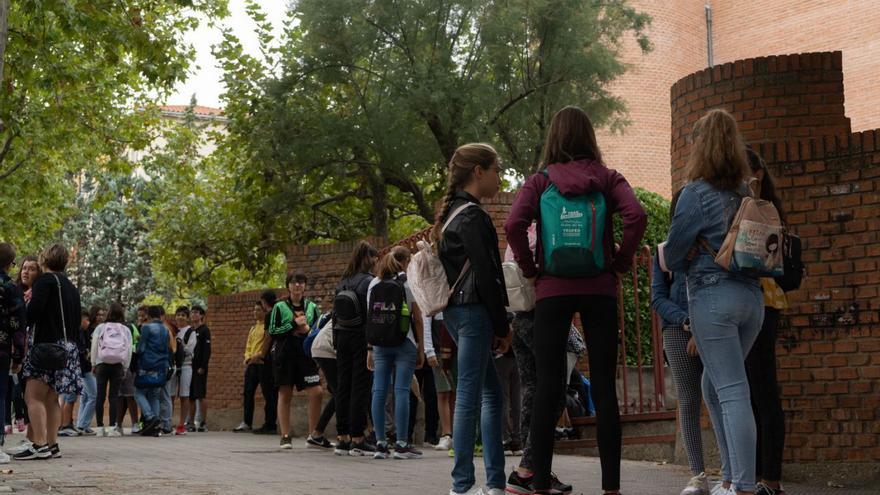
[(13, 326), (401, 360), (201, 357), (669, 300), (726, 309), (475, 315), (54, 313), (761, 361), (111, 352), (353, 387), (289, 324), (574, 191)]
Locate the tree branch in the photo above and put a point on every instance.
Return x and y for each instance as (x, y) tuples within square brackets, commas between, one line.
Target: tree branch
[(507, 106)]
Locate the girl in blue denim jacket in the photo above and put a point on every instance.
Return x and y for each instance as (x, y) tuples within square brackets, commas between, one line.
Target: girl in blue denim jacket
[(725, 309)]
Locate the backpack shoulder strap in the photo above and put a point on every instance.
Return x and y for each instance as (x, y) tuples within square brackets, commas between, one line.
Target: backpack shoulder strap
[(455, 213)]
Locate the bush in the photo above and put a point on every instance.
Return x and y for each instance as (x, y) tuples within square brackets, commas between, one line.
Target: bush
[(657, 208)]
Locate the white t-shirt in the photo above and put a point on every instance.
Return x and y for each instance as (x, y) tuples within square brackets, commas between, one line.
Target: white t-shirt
[(189, 347), (409, 301)]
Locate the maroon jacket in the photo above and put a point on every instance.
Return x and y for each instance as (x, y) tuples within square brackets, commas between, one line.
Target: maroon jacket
[(577, 177)]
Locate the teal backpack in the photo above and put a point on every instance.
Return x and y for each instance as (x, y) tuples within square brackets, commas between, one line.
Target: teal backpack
[(572, 233)]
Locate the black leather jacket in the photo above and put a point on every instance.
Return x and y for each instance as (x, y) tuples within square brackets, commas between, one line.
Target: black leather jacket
[(472, 235)]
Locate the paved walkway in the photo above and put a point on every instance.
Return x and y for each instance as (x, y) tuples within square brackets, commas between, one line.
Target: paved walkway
[(228, 463)]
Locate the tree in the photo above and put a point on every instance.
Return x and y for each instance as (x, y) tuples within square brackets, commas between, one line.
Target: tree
[(343, 126), (77, 90), (110, 256)]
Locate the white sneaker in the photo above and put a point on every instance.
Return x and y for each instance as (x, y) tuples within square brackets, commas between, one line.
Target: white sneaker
[(102, 432), (445, 443), (698, 485), (495, 491), (4, 457), (473, 491), (113, 432), (24, 445), (720, 490)]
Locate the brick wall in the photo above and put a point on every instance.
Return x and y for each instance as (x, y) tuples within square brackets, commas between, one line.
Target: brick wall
[(829, 179), (741, 29)]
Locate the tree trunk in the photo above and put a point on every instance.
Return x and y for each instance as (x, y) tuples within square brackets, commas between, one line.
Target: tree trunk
[(379, 197), (4, 32)]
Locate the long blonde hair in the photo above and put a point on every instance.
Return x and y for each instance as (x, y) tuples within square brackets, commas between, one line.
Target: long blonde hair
[(718, 153), (465, 159)]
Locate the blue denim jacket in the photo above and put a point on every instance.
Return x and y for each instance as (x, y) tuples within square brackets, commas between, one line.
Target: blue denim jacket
[(669, 300), (702, 210)]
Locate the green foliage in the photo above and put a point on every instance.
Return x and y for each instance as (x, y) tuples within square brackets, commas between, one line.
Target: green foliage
[(110, 252), (342, 127), (657, 209), (77, 91)]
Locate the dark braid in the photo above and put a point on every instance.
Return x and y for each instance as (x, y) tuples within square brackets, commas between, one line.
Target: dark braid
[(459, 172)]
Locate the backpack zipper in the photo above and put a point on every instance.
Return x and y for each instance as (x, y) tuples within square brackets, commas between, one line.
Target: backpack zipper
[(593, 227)]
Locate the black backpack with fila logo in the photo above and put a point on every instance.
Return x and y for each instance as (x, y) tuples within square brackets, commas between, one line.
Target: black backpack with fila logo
[(388, 314)]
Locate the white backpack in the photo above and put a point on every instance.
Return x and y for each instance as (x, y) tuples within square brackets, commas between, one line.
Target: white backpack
[(426, 276), (520, 293), (113, 347)]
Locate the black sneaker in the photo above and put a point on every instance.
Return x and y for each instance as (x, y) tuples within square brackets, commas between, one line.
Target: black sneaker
[(342, 448), (406, 452), (34, 452), (381, 452), (203, 428), (190, 428), (764, 489), (319, 442), (265, 430), (518, 485), (55, 450), (286, 443), (361, 448), (151, 428), (559, 486)]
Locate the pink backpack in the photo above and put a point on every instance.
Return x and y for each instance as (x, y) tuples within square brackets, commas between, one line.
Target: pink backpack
[(114, 344)]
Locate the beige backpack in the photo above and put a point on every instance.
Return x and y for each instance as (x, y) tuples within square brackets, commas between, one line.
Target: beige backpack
[(753, 245)]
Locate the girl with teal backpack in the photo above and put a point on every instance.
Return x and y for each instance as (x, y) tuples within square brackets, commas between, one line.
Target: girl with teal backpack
[(575, 269)]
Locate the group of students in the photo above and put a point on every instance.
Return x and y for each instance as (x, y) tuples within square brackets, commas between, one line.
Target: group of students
[(53, 353), (719, 326), (708, 311)]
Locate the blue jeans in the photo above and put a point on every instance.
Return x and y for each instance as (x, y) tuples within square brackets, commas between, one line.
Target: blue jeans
[(166, 406), (725, 320), (402, 361), (470, 327), (87, 402), (148, 401)]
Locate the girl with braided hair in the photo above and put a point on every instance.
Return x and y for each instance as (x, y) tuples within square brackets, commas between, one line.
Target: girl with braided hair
[(475, 316)]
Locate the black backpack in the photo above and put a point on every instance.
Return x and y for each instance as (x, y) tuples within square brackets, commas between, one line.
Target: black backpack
[(347, 307), (388, 316)]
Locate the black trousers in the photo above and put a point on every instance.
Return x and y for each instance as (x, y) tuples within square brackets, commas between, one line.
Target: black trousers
[(260, 375), (353, 386), (425, 377), (769, 417), (328, 367), (552, 323), (107, 374)]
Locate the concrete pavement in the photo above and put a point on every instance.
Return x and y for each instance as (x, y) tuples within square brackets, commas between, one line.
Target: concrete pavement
[(229, 464)]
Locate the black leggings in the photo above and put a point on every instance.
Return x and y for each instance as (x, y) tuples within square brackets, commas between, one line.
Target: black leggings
[(353, 383), (552, 324), (328, 366), (104, 374), (769, 417)]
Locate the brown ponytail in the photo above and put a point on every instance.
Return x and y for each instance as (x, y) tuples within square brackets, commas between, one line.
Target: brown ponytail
[(394, 262), (460, 170)]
